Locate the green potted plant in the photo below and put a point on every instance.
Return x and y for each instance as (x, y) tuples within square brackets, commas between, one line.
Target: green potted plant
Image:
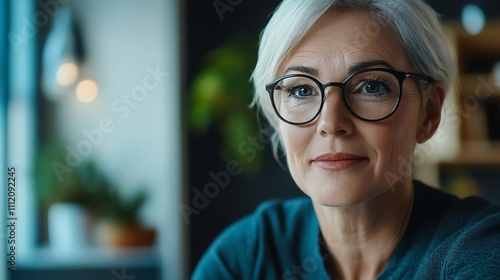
[(53, 185), (120, 225), (118, 222), (220, 96), (63, 199), (115, 218)]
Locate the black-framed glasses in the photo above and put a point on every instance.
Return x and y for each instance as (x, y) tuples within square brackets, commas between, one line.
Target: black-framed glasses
[(370, 94)]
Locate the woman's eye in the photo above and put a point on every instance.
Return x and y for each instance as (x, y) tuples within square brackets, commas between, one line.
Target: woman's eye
[(303, 91), (373, 87), (299, 91)]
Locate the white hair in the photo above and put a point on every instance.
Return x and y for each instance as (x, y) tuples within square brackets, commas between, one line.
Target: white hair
[(416, 24)]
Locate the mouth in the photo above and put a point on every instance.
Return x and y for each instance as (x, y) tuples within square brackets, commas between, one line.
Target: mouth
[(338, 161)]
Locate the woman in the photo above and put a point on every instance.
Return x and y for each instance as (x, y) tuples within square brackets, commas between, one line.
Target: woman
[(350, 87)]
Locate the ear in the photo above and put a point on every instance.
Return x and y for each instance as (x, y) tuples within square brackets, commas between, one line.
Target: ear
[(431, 112)]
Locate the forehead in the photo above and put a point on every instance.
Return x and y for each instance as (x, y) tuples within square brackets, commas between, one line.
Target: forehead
[(341, 38)]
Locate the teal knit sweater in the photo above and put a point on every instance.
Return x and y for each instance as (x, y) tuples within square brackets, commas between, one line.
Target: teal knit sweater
[(446, 238)]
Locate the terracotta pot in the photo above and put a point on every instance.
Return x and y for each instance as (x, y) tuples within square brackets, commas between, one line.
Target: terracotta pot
[(117, 235)]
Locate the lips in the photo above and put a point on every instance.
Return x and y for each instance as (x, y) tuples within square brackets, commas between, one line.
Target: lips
[(338, 161)]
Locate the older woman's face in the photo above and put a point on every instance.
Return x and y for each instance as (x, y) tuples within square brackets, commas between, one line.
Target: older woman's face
[(337, 159)]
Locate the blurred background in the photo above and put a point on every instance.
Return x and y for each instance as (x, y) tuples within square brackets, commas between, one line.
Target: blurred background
[(127, 129)]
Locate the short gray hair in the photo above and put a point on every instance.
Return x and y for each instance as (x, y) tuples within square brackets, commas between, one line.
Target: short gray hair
[(416, 24)]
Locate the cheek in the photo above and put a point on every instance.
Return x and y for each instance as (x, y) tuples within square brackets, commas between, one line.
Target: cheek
[(395, 140), (296, 141)]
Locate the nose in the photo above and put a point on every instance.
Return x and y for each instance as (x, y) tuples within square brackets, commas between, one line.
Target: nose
[(335, 119)]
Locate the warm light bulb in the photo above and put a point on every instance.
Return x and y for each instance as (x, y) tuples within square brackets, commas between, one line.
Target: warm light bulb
[(86, 91), (67, 74)]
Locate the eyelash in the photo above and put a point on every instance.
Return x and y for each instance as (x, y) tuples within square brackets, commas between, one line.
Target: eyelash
[(290, 88), (383, 82)]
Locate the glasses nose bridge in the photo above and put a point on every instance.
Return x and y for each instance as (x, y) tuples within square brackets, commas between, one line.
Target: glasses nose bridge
[(333, 84)]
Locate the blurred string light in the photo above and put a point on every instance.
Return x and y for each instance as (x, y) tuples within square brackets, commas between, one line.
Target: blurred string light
[(473, 19), (67, 74), (86, 91), (58, 49), (63, 59)]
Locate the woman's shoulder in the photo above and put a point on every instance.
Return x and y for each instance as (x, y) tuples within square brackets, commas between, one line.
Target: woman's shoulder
[(437, 203), (462, 234), (448, 216), (272, 217), (252, 244)]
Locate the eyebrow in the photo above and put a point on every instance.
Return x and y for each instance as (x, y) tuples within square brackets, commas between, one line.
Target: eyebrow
[(304, 69), (358, 66), (367, 64)]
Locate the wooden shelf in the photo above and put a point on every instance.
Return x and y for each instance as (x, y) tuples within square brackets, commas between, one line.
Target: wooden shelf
[(480, 85), (477, 101), (478, 152), (90, 258)]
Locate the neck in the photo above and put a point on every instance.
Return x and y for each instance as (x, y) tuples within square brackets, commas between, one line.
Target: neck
[(361, 239)]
